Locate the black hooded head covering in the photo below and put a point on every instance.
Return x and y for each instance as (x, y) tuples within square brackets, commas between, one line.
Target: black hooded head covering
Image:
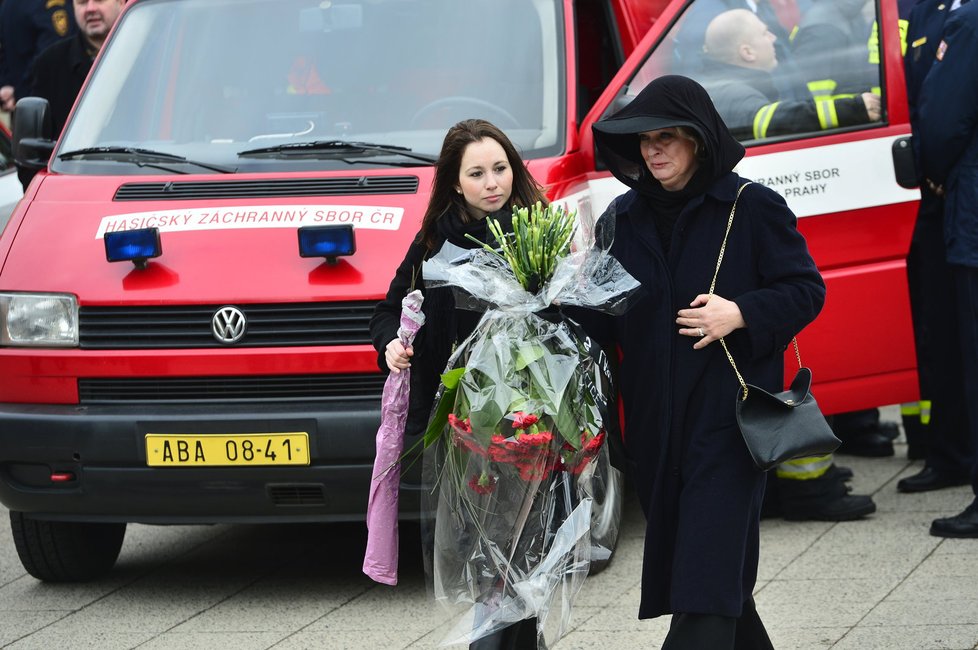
[(667, 101)]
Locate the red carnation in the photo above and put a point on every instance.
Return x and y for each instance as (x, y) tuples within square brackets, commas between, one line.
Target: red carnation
[(484, 483), (461, 425), (523, 420)]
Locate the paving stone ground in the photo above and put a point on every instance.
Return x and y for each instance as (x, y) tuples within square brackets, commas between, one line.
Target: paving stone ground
[(881, 583)]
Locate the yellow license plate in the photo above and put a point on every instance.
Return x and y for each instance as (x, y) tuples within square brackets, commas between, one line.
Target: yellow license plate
[(186, 450)]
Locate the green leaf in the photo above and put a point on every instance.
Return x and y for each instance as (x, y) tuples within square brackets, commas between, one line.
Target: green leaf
[(451, 378), (528, 353), (567, 425), (440, 418)]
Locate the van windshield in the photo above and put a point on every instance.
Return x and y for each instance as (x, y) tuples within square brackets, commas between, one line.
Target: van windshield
[(210, 80)]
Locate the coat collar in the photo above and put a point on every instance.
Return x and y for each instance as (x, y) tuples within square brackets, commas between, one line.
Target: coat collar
[(723, 190)]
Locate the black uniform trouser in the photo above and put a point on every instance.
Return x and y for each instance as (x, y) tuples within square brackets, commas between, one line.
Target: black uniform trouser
[(966, 281), (701, 631), (934, 304)]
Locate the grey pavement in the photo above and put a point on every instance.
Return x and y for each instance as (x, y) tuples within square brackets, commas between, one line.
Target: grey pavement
[(880, 583)]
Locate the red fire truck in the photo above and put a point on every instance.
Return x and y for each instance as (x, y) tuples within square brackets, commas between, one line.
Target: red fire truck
[(172, 351)]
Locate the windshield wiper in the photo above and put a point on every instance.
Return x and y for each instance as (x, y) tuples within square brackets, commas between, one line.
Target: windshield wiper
[(339, 147), (138, 155)]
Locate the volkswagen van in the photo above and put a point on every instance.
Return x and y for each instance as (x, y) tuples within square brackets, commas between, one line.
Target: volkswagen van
[(186, 285)]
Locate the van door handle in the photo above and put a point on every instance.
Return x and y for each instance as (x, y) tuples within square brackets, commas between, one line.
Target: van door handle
[(904, 164)]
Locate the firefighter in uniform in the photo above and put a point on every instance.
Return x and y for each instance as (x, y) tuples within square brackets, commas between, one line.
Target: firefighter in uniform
[(947, 446), (738, 73), (27, 27), (947, 121), (740, 60)]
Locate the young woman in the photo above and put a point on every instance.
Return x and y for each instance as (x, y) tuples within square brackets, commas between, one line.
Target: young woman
[(478, 174), (700, 491)]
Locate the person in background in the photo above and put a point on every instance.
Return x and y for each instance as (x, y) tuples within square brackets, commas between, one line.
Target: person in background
[(60, 70), (740, 60), (27, 27), (830, 48), (948, 450), (698, 487), (478, 174), (780, 17), (948, 129)]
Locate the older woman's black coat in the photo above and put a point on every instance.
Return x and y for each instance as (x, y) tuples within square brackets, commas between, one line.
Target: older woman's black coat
[(697, 484)]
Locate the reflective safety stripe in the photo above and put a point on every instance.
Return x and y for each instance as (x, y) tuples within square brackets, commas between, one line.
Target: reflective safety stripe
[(822, 88), (910, 409), (874, 40), (762, 119), (804, 469), (921, 409), (925, 411), (827, 117)]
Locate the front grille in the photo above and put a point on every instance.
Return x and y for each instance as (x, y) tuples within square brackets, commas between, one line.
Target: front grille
[(199, 390), (355, 186), (189, 326), (297, 495)]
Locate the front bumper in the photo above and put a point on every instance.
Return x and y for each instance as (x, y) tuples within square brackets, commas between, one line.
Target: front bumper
[(103, 448)]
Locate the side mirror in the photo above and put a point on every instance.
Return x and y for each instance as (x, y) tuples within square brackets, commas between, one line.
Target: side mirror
[(33, 143), (904, 164)]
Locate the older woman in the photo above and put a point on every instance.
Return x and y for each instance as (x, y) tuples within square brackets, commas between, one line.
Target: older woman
[(700, 491)]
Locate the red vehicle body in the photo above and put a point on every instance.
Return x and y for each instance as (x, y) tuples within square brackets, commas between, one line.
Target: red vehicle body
[(77, 405)]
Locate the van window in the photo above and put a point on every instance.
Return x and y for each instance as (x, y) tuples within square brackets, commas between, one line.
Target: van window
[(599, 51), (209, 80), (802, 67)]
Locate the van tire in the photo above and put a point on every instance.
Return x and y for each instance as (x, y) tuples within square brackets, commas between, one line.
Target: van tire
[(66, 551), (606, 512)]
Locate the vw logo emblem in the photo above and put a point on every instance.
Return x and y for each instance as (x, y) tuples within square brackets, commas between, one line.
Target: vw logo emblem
[(228, 325)]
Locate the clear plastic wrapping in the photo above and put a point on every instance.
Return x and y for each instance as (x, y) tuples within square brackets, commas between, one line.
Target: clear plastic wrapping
[(511, 452)]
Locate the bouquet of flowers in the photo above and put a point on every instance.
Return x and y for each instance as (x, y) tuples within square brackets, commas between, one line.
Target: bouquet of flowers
[(519, 420)]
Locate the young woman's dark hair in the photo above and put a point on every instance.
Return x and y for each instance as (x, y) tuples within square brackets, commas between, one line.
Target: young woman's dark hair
[(445, 198)]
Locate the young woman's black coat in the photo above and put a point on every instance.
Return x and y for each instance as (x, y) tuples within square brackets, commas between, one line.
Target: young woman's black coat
[(697, 484), (444, 325)]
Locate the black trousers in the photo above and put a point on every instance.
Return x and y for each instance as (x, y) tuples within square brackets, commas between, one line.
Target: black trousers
[(967, 285), (518, 636), (709, 631), (935, 305)]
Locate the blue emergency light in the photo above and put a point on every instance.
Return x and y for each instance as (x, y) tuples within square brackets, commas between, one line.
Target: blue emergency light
[(133, 245), (327, 241)]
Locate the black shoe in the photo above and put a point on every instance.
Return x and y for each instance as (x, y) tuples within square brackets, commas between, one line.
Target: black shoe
[(870, 444), (889, 430), (964, 525), (844, 508), (841, 473), (929, 479), (825, 498)]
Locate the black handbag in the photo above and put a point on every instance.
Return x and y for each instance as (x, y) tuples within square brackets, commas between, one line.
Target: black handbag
[(778, 426)]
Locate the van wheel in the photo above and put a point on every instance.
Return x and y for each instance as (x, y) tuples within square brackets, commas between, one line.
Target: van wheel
[(66, 551), (605, 512)]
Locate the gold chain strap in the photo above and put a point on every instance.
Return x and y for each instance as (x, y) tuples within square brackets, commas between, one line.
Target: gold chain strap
[(713, 284)]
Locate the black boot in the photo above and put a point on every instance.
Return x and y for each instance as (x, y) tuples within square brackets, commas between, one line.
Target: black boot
[(916, 437), (862, 433), (825, 498)]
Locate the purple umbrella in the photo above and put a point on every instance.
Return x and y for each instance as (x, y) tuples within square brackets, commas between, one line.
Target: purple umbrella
[(380, 560)]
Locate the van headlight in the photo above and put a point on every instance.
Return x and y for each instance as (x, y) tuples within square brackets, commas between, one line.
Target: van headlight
[(38, 319)]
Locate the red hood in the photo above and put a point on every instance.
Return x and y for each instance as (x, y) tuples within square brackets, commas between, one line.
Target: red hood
[(214, 250)]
